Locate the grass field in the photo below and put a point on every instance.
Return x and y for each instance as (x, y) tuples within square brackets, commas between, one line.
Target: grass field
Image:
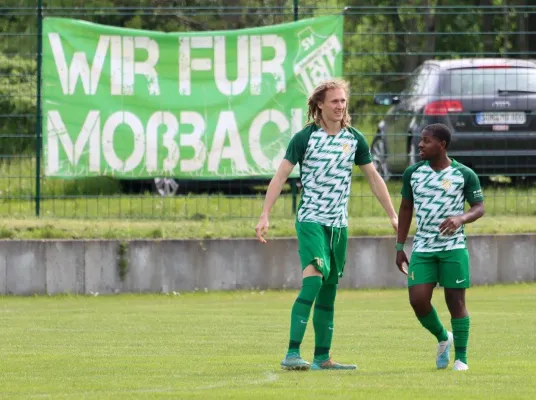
[(229, 345)]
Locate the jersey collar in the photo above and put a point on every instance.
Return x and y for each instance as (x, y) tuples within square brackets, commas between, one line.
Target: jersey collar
[(320, 129), (453, 164)]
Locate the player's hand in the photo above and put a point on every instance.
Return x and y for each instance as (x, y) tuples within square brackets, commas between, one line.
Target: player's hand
[(394, 223), (449, 226), (262, 228), (402, 261)]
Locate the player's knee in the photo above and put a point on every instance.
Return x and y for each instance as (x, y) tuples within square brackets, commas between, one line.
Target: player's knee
[(456, 306), (327, 294), (455, 298), (415, 302), (420, 305), (310, 270)]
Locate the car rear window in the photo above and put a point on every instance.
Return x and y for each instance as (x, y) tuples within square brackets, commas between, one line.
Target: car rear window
[(487, 81)]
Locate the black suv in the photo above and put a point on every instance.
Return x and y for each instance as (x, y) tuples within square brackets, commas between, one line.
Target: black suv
[(489, 105)]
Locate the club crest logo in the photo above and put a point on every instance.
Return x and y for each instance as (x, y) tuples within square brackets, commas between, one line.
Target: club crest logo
[(446, 184), (315, 61)]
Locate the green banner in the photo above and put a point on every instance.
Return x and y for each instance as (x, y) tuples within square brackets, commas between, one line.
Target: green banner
[(138, 104)]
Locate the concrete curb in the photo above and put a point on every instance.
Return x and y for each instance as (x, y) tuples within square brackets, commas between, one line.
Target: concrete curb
[(87, 266)]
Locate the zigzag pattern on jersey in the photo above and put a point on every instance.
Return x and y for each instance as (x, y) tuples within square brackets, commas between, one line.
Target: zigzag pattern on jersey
[(328, 186), (433, 205), (326, 178)]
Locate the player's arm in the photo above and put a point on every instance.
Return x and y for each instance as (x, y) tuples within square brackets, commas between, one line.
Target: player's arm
[(475, 212), (273, 192), (276, 185), (405, 214), (379, 188), (451, 224), (473, 195)]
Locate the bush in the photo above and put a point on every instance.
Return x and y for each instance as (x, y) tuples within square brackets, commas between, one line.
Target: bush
[(17, 102)]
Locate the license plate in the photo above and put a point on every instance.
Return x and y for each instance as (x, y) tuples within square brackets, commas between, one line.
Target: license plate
[(501, 118)]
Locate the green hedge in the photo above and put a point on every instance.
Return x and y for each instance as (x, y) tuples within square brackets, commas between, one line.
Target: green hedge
[(17, 104)]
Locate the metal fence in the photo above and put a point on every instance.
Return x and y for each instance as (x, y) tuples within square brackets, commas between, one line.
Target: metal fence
[(390, 59)]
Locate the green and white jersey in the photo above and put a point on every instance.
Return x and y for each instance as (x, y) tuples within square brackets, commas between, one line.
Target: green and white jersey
[(326, 172), (437, 195)]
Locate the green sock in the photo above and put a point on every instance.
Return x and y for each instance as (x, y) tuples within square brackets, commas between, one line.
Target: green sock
[(434, 325), (460, 330), (323, 321), (301, 311)]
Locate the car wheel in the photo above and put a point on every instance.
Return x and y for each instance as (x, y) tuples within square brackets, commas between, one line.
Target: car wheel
[(132, 186), (165, 187), (378, 150), (523, 180)]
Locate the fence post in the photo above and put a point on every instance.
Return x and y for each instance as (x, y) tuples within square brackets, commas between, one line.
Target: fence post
[(38, 124), (293, 187)]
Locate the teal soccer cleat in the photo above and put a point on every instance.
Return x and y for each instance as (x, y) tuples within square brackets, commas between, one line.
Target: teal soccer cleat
[(443, 349), (293, 362), (330, 364)]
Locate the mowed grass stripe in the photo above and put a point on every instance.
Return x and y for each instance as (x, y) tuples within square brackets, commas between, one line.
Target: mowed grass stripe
[(229, 344)]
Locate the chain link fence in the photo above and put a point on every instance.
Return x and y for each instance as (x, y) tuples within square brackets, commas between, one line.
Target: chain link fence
[(396, 58)]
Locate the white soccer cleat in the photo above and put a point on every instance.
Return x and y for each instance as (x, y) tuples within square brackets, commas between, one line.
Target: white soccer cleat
[(443, 349), (460, 366)]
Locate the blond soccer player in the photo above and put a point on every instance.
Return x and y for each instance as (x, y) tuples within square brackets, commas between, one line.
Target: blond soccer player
[(326, 149)]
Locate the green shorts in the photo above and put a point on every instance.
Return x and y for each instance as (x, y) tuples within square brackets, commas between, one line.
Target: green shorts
[(323, 247), (450, 268)]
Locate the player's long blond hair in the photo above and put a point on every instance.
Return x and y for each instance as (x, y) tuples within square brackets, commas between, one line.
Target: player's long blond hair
[(314, 113)]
